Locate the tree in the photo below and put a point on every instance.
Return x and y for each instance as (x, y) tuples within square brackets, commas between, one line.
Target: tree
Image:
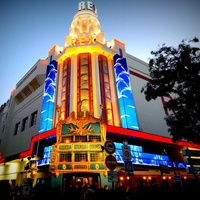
[(175, 72)]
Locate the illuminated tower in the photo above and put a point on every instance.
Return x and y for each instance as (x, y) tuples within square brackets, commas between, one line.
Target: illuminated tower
[(90, 75), (86, 68)]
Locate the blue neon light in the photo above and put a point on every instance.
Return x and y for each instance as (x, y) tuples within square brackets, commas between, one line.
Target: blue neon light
[(46, 120), (46, 156), (125, 95), (141, 158)]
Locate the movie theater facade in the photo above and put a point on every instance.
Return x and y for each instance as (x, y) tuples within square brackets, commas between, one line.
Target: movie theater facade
[(80, 116)]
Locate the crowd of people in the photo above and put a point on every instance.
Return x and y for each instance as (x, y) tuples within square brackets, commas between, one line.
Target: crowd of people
[(93, 192)]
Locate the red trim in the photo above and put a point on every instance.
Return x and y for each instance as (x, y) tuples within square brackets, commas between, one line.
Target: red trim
[(90, 94), (164, 103), (139, 75), (34, 139), (120, 52), (78, 83), (112, 129), (102, 73), (2, 160), (148, 136)]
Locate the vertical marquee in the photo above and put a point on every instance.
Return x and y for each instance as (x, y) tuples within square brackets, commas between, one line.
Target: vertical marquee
[(46, 120), (124, 92)]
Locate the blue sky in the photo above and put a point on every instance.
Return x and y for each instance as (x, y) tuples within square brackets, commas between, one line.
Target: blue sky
[(28, 29)]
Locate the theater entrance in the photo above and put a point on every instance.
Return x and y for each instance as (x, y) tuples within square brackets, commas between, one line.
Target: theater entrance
[(80, 179)]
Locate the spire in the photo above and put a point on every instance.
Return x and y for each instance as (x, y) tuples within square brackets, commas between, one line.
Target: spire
[(85, 26)]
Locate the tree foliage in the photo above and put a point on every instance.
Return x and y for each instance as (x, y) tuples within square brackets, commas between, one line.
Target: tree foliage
[(175, 72)]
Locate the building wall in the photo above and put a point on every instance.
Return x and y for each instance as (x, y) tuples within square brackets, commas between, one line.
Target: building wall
[(11, 143), (150, 114)]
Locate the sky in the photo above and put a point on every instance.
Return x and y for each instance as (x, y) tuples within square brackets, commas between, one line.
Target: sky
[(29, 28)]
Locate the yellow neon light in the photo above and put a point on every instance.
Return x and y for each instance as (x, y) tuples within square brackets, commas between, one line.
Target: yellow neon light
[(83, 40)]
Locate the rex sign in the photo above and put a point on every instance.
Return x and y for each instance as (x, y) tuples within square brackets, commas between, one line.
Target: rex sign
[(89, 6)]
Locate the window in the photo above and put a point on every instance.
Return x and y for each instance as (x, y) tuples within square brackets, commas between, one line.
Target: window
[(33, 118), (84, 83), (24, 123), (105, 90), (94, 138), (19, 97), (67, 139), (65, 157), (81, 157), (81, 138), (96, 157), (34, 84), (17, 126), (26, 91), (66, 87)]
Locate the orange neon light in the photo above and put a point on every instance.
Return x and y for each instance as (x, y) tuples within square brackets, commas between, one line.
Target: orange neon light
[(83, 41)]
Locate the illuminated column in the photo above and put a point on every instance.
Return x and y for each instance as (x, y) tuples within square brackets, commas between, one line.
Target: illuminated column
[(48, 101), (115, 107), (58, 92), (96, 85), (73, 88), (125, 96)]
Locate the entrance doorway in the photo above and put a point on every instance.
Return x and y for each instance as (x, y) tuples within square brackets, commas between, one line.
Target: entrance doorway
[(81, 180)]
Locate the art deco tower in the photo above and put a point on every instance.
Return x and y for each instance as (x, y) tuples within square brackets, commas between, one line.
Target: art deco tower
[(86, 70), (92, 75)]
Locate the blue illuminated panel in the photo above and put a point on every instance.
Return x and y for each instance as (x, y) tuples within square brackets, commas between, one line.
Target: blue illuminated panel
[(124, 92), (46, 156), (46, 118), (141, 158)]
